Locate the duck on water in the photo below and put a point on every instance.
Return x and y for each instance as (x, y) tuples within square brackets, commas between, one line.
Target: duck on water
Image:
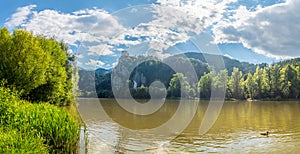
[(265, 134)]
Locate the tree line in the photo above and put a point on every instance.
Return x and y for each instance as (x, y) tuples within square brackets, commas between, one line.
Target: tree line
[(269, 82), (272, 82)]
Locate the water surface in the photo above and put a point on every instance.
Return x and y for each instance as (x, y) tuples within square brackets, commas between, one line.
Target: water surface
[(112, 129)]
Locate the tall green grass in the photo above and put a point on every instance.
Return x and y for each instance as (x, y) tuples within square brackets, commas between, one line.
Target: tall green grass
[(53, 128), (14, 142)]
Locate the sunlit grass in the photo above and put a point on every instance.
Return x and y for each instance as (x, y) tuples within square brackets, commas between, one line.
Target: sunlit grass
[(47, 126), (12, 141)]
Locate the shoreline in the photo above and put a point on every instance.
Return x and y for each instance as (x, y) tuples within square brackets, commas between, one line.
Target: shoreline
[(205, 99)]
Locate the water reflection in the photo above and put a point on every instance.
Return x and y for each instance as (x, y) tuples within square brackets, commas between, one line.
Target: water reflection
[(235, 131)]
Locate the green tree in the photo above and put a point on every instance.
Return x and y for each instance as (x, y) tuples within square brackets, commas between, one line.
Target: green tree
[(288, 80), (258, 79), (204, 85), (58, 86), (274, 78), (266, 86), (179, 87), (140, 93), (235, 83), (23, 62), (39, 68), (297, 68), (251, 86), (219, 83)]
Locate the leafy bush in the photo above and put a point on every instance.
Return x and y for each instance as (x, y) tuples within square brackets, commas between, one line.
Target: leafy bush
[(37, 67)]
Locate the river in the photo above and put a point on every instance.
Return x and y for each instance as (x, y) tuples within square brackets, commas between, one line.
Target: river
[(111, 129)]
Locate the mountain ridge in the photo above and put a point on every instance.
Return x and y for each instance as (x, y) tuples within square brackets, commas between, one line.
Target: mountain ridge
[(99, 80)]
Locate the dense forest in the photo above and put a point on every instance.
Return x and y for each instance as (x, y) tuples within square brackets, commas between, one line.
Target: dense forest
[(243, 80)]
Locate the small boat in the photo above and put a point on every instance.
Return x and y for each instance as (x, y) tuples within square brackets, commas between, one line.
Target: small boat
[(265, 134)]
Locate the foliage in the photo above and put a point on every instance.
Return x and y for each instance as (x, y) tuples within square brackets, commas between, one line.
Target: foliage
[(250, 86), (179, 87), (11, 141), (289, 82), (274, 71), (38, 68), (235, 84), (140, 93), (23, 63), (272, 82), (204, 85), (259, 83), (52, 126), (230, 64), (219, 82), (241, 80), (163, 73)]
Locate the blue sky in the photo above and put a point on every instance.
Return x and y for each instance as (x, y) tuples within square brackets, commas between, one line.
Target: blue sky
[(98, 30)]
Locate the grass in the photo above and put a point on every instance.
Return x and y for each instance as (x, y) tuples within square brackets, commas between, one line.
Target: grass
[(35, 128), (11, 141)]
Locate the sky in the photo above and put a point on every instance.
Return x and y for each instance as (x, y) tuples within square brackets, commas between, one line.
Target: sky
[(97, 31)]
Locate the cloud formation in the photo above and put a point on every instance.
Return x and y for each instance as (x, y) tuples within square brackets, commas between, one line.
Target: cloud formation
[(19, 18), (177, 21), (95, 63), (74, 27), (273, 31), (86, 29)]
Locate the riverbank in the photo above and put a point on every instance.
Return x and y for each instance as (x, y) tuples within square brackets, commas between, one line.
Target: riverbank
[(35, 128), (206, 99), (82, 141)]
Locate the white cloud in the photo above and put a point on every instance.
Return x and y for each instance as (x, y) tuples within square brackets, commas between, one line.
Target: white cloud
[(79, 56), (160, 37), (18, 18), (101, 49), (70, 51), (88, 31), (173, 22), (194, 15), (158, 54), (95, 63), (98, 33), (90, 25), (177, 21), (84, 25), (228, 56), (114, 64), (79, 63), (273, 31)]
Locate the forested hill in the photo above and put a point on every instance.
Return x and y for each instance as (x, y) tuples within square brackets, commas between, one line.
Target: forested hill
[(100, 79), (244, 80), (295, 61), (244, 67)]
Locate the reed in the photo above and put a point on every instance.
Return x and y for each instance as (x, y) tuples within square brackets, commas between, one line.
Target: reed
[(11, 141), (57, 129)]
